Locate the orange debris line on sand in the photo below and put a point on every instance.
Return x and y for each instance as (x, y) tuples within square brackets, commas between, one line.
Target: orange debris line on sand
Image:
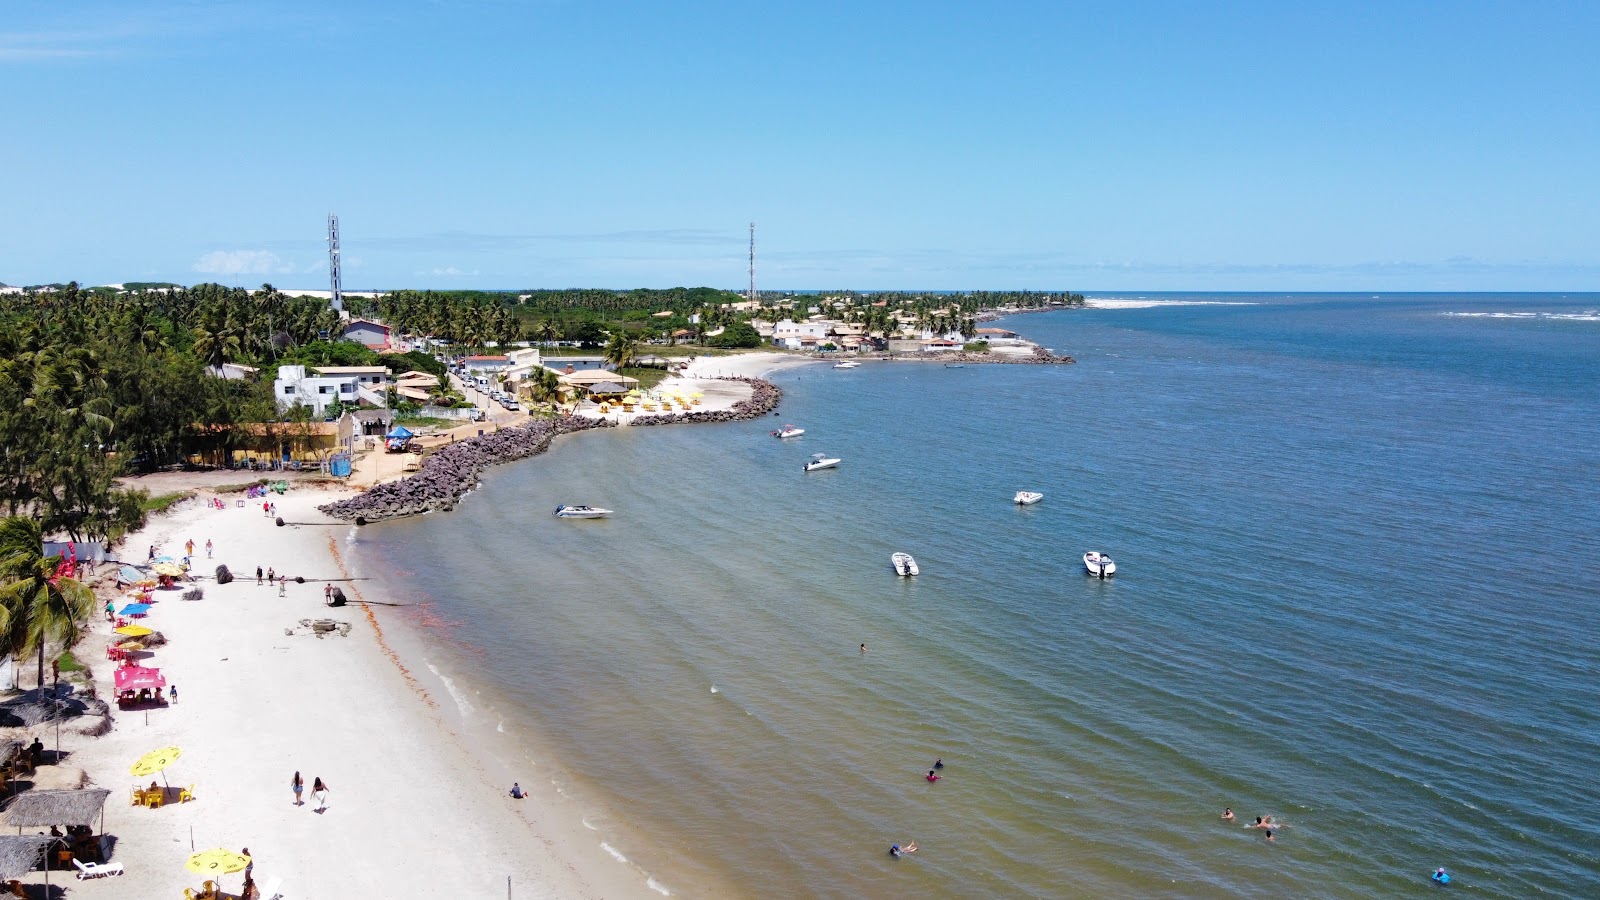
[(377, 630)]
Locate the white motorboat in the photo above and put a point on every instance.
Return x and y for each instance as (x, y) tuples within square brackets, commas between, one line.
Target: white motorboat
[(903, 564), (1099, 565), (788, 431), (581, 512), (847, 364), (1027, 498), (819, 461)]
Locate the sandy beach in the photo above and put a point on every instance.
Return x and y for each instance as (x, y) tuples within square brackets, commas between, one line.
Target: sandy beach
[(411, 812)]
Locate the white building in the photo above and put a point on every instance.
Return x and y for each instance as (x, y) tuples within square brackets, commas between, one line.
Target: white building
[(318, 388), (792, 335)]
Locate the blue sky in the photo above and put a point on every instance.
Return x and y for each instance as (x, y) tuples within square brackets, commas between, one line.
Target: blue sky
[(1092, 146)]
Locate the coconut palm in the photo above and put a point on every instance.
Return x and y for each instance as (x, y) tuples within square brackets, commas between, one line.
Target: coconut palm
[(622, 350), (37, 604)]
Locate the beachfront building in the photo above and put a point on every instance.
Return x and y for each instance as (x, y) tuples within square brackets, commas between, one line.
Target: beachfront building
[(792, 335), (520, 364), (317, 388), (484, 365), (999, 337), (582, 382), (374, 335)]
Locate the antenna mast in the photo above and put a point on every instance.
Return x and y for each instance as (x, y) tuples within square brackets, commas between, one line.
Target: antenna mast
[(333, 262), (752, 296)]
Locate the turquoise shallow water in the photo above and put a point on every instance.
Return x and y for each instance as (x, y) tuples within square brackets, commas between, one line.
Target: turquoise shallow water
[(1358, 590)]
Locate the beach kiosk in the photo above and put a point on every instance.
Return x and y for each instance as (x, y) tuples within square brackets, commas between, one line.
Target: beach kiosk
[(398, 438)]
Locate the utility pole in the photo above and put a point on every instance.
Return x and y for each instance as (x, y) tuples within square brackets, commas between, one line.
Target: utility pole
[(333, 262)]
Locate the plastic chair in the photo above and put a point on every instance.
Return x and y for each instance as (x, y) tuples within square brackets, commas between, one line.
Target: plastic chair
[(186, 794)]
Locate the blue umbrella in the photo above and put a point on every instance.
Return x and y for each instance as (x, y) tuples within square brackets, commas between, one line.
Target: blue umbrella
[(135, 609)]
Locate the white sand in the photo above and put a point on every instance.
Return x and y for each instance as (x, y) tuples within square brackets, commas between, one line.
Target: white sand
[(410, 814)]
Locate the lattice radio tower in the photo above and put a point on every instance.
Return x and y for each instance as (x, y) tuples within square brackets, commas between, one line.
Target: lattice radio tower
[(752, 295), (333, 262)]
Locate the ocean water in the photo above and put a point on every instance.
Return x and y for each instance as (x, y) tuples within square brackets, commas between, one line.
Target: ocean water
[(1358, 590)]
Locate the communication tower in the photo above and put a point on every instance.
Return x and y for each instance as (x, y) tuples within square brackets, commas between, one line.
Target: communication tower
[(752, 295), (333, 262)]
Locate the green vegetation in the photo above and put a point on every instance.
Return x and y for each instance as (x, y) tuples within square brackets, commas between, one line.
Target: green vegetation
[(69, 663), (739, 335), (648, 377), (36, 607), (423, 421), (976, 347), (160, 503)]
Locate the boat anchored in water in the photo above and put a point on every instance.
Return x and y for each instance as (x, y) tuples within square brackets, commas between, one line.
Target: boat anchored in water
[(581, 512), (1099, 565), (820, 461), (847, 364), (788, 431), (1027, 498), (903, 564)]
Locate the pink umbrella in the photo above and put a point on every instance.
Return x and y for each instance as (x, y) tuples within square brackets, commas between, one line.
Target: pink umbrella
[(134, 678)]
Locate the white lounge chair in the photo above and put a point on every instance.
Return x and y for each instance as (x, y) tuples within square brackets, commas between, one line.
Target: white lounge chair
[(269, 891), (96, 870)]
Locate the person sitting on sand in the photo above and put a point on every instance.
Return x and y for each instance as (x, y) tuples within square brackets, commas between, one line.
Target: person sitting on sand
[(932, 776), (1227, 814), (516, 791)]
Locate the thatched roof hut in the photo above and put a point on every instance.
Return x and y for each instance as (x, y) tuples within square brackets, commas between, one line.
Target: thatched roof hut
[(34, 808), (19, 854)]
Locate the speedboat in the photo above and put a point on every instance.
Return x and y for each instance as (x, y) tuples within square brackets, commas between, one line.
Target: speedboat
[(1099, 565), (581, 512), (788, 431), (847, 364), (1027, 498), (819, 461), (903, 564)]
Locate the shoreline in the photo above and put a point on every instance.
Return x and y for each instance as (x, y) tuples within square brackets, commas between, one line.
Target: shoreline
[(413, 808)]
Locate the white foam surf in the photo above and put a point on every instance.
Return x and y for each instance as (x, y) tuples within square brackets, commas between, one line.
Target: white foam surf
[(455, 693)]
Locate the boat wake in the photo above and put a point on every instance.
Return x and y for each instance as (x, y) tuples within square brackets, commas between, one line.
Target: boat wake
[(1589, 315)]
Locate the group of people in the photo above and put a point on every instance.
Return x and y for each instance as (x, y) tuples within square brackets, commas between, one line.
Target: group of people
[(1265, 823), (898, 850), (319, 791)]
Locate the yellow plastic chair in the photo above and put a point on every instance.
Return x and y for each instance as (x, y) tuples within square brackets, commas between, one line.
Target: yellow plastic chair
[(186, 794), (188, 894)]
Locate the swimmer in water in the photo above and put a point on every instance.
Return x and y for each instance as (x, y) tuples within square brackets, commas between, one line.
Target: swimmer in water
[(938, 763), (1440, 876), (1227, 814), (895, 851), (932, 776), (863, 648), (1272, 836), (911, 847)]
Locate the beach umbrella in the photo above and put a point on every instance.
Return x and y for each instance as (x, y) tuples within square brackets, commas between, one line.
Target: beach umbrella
[(134, 631), (130, 645), (155, 761), (135, 609), (217, 862), (171, 570)]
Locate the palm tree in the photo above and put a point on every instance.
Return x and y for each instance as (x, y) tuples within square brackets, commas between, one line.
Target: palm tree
[(622, 350), (37, 604), (546, 331)]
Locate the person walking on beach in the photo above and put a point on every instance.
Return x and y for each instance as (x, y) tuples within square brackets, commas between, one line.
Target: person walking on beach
[(208, 548), (319, 793), (188, 547), (111, 611), (172, 691), (297, 784), (283, 585), (271, 575), (258, 576), (327, 593)]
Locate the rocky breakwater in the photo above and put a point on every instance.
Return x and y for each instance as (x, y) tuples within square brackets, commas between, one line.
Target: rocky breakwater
[(454, 470), (764, 397)]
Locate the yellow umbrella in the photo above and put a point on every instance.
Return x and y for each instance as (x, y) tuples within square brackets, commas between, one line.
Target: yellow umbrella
[(130, 645), (218, 861), (168, 569), (155, 761), (134, 631)]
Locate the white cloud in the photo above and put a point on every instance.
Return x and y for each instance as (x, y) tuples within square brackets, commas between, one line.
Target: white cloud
[(242, 262), (452, 272)]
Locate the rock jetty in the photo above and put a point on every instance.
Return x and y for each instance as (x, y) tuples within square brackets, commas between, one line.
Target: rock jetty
[(447, 475)]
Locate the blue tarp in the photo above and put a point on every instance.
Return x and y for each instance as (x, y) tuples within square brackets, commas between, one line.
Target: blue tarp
[(129, 575), (399, 431), (135, 609)]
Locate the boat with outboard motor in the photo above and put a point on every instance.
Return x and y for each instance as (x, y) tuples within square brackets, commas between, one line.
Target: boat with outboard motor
[(903, 564), (821, 461), (1027, 498), (1099, 565), (847, 364), (788, 431), (581, 512)]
